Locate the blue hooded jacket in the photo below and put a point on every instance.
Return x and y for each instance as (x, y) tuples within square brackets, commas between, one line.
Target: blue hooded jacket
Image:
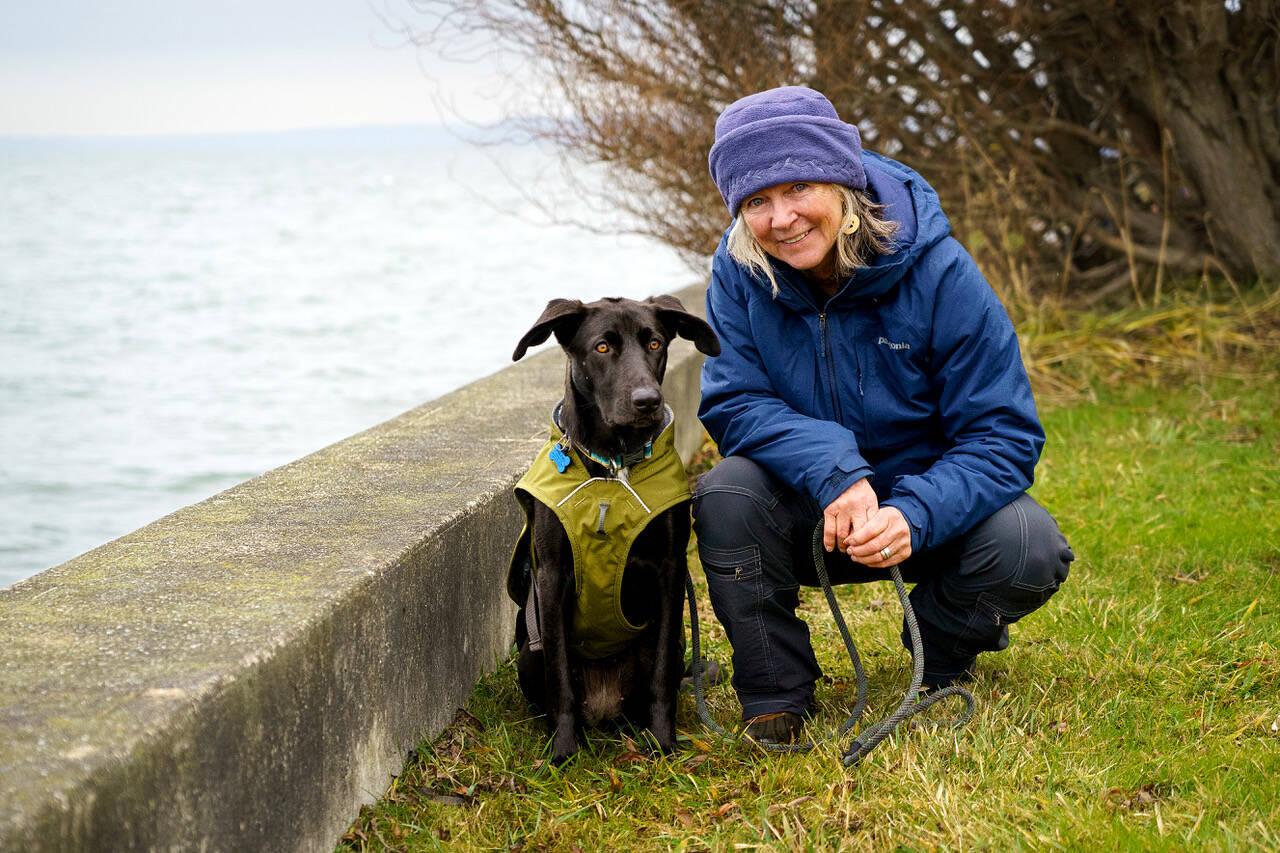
[(910, 374)]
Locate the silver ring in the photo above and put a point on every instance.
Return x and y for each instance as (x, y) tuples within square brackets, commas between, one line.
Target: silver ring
[(885, 553)]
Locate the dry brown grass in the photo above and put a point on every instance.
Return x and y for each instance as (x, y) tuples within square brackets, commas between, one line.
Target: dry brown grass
[(1070, 352)]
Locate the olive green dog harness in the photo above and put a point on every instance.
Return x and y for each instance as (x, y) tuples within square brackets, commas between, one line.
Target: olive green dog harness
[(602, 517)]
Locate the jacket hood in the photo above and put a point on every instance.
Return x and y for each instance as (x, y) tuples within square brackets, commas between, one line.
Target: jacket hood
[(909, 201)]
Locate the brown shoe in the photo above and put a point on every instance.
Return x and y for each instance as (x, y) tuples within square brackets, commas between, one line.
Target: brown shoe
[(780, 727)]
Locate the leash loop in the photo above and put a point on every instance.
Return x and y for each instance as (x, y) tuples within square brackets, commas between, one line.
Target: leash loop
[(870, 737)]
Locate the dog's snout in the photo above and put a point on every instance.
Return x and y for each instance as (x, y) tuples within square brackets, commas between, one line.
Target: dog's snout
[(646, 399)]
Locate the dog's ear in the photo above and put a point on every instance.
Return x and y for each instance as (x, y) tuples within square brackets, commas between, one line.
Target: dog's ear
[(671, 313), (561, 316)]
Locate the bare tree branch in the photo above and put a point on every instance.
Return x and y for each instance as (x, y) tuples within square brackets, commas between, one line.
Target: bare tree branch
[(1066, 137)]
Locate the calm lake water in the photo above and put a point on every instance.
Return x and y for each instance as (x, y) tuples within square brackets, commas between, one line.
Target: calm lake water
[(177, 316)]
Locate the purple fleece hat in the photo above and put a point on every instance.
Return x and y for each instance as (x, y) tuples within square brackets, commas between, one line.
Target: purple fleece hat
[(787, 134)]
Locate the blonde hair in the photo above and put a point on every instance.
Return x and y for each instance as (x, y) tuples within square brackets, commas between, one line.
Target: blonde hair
[(873, 237)]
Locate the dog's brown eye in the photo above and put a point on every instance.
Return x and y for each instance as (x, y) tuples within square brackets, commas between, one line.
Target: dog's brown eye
[(655, 344), (602, 347)]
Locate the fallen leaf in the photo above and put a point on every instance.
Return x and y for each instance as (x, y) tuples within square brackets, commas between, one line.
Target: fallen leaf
[(466, 718), (700, 745), (782, 807), (1116, 798), (446, 799), (725, 809)]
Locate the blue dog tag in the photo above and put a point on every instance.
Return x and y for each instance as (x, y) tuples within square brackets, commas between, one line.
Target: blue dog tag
[(560, 458)]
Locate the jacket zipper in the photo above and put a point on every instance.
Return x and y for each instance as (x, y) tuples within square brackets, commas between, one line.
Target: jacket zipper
[(829, 360)]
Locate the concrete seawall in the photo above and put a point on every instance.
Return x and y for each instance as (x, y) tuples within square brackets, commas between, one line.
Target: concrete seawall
[(244, 673)]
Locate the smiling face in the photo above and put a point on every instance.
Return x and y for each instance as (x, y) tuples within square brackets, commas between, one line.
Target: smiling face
[(798, 224)]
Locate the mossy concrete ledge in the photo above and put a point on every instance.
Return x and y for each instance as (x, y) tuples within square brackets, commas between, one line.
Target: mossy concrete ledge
[(243, 674)]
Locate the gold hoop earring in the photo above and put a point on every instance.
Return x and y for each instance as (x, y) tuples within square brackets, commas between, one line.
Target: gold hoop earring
[(852, 227)]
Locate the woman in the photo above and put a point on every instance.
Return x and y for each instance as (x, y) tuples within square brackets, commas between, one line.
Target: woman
[(870, 381)]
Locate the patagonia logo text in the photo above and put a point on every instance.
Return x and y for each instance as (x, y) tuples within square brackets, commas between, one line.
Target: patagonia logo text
[(885, 342)]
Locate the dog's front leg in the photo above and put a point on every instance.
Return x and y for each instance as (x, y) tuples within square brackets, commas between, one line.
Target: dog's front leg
[(561, 706), (555, 604), (668, 664)]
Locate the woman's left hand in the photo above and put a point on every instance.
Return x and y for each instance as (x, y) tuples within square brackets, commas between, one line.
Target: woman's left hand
[(885, 531)]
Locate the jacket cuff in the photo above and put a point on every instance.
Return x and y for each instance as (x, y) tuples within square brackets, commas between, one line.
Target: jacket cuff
[(917, 519), (838, 483)]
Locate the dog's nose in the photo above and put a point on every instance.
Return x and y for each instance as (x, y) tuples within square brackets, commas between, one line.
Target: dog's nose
[(646, 400)]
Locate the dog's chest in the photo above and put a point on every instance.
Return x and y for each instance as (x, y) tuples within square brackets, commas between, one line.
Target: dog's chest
[(602, 517)]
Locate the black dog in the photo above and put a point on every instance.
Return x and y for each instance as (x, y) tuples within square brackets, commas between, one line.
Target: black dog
[(599, 570)]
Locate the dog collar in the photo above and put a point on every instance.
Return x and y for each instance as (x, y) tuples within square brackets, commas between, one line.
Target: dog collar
[(615, 464)]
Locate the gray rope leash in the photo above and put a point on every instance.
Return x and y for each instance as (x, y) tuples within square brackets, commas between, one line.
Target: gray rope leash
[(871, 736)]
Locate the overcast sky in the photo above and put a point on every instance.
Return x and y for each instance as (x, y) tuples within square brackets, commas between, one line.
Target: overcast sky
[(179, 66)]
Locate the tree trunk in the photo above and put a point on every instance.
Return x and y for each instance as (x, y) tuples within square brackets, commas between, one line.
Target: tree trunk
[(1212, 151)]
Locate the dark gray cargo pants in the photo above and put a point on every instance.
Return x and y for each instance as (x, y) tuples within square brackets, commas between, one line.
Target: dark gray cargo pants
[(755, 539)]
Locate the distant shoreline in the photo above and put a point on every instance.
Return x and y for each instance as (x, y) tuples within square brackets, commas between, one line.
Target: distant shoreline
[(364, 136)]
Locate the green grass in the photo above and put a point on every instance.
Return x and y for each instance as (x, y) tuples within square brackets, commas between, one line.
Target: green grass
[(1139, 709)]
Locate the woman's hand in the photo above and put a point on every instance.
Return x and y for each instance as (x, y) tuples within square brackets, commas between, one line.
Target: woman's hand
[(885, 531), (865, 529), (848, 512)]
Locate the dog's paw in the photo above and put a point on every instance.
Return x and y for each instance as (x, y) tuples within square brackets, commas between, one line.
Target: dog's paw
[(563, 747), (661, 738)]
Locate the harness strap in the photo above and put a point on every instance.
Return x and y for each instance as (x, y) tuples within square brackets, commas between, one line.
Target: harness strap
[(531, 617)]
